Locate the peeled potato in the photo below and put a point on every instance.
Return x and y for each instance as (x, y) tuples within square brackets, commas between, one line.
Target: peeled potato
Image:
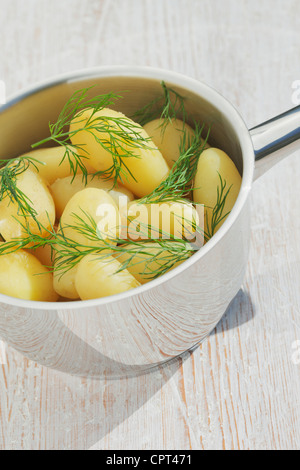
[(144, 170), (169, 137), (97, 278), (212, 164), (161, 220), (32, 185), (53, 165), (100, 206), (23, 276), (63, 189), (145, 262), (44, 255), (64, 283)]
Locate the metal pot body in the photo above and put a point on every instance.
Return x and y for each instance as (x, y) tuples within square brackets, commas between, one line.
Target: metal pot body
[(133, 332)]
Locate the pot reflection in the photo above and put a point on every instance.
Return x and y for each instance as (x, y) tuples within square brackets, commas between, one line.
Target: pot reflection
[(52, 341)]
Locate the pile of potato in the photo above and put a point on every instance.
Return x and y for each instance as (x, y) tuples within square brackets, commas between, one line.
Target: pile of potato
[(56, 196)]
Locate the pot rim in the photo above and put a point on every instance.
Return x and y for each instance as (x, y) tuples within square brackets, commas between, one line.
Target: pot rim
[(175, 78)]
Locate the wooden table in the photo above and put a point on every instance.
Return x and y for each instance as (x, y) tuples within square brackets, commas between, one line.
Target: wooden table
[(241, 388)]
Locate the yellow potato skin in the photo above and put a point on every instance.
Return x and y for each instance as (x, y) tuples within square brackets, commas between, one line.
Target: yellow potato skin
[(148, 166), (33, 186), (168, 139), (212, 163), (141, 265), (23, 276), (63, 189), (51, 164), (97, 278)]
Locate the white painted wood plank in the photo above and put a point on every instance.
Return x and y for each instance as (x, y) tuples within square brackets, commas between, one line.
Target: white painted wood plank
[(240, 389)]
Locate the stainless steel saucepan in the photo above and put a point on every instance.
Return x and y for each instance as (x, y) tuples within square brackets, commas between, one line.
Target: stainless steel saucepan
[(135, 331)]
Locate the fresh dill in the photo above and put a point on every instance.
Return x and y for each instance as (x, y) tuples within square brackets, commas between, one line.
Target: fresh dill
[(10, 170), (68, 252), (167, 254), (122, 139), (178, 183), (167, 106), (120, 136), (169, 250), (217, 212)]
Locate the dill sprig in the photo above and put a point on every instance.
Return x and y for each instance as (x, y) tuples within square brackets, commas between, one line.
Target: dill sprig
[(168, 106), (170, 250), (120, 136), (125, 140), (10, 170), (68, 252), (178, 183), (167, 254), (174, 107), (218, 210)]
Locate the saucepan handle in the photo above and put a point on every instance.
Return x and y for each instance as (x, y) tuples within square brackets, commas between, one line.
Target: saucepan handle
[(275, 139)]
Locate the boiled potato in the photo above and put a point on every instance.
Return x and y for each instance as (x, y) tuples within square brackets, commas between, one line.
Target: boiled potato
[(160, 220), (100, 206), (144, 171), (39, 198), (63, 189), (64, 283), (212, 164), (51, 163), (169, 137), (43, 254), (142, 263), (98, 277), (23, 276)]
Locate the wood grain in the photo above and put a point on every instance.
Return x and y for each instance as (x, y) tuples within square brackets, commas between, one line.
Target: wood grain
[(241, 388)]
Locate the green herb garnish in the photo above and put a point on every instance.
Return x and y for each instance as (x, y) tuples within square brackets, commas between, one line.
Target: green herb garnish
[(68, 252), (119, 136), (168, 106), (9, 172), (218, 210)]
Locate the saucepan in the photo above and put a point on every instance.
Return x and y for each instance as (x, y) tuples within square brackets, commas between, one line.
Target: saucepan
[(133, 332)]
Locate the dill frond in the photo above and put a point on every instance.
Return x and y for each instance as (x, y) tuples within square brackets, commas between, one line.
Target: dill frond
[(68, 252), (9, 171), (121, 137), (178, 183), (167, 106), (218, 210)]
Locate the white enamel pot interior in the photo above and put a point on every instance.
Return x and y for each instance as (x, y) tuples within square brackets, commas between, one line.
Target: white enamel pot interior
[(133, 332)]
